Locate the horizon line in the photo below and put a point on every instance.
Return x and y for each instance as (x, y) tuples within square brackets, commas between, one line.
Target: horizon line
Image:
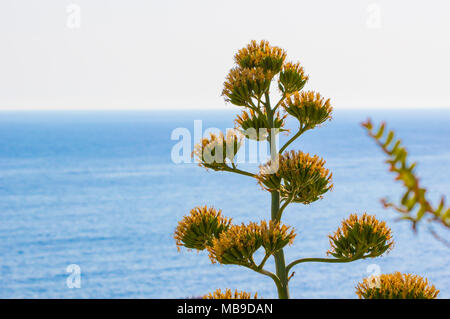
[(221, 108)]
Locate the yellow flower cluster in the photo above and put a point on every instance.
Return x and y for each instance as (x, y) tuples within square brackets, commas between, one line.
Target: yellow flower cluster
[(310, 108), (298, 177), (253, 125), (292, 78), (261, 54), (359, 237), (198, 229), (228, 294), (275, 236), (257, 65), (396, 286), (295, 67), (238, 244), (243, 84), (213, 152)]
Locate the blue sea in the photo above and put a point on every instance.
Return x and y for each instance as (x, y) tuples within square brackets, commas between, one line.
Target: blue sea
[(100, 190)]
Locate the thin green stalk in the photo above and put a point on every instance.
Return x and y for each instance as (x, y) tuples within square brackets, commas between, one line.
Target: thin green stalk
[(320, 260), (286, 203), (260, 270), (280, 265), (238, 171), (279, 102), (263, 261), (293, 138), (274, 278)]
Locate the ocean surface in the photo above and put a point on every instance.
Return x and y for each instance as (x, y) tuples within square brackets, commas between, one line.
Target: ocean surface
[(100, 190)]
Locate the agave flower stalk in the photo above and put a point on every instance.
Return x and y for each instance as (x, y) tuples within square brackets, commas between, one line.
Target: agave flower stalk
[(289, 176)]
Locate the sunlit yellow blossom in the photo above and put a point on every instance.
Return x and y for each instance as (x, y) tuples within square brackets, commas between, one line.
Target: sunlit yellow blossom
[(298, 177), (200, 227), (254, 125), (358, 237), (292, 78), (261, 54), (228, 294), (238, 244), (214, 151), (241, 85), (396, 286), (275, 236), (310, 108)]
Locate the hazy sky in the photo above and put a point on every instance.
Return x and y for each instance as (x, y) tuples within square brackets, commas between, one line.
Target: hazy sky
[(175, 54)]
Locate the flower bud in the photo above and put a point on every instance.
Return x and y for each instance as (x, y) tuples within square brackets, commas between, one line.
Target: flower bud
[(292, 78), (253, 125), (298, 177), (237, 245), (214, 151), (263, 55), (275, 236), (241, 85), (359, 237), (310, 108), (200, 227)]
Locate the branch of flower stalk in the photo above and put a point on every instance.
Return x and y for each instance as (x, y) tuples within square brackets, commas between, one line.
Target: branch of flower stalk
[(269, 117), (267, 100), (292, 275), (260, 102), (267, 103), (271, 275), (252, 263), (323, 260), (257, 109), (266, 120), (234, 169), (267, 273), (293, 138), (286, 203), (279, 102), (261, 265), (254, 107)]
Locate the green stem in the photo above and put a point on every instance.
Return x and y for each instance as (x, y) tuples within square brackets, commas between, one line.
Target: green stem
[(261, 265), (293, 138), (280, 264), (280, 212), (274, 277), (238, 171), (320, 260), (279, 102)]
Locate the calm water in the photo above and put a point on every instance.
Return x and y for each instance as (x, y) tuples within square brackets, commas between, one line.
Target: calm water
[(100, 190)]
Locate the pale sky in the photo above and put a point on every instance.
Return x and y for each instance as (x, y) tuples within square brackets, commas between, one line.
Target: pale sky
[(175, 54)]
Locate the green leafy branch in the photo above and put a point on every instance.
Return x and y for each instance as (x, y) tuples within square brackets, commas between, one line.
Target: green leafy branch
[(414, 205)]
